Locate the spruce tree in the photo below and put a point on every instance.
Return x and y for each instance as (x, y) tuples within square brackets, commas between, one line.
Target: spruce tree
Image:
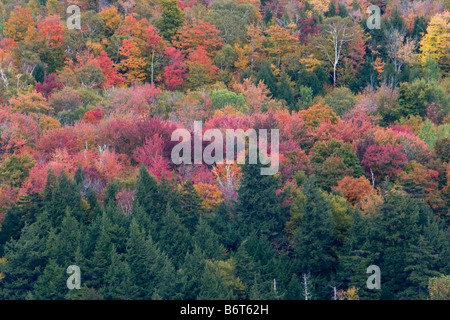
[(110, 194), (285, 91), (146, 191), (396, 230), (26, 259), (355, 257), (79, 175), (59, 193), (118, 283), (168, 284), (174, 237), (94, 206), (313, 240), (421, 262), (68, 239), (245, 266), (101, 257), (191, 273), (294, 289), (52, 283), (25, 211), (259, 207), (205, 238), (142, 262), (212, 286), (265, 74), (190, 206)]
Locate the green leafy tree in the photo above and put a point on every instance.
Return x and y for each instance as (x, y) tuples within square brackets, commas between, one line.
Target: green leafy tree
[(232, 19), (221, 98), (341, 100), (171, 19), (14, 169)]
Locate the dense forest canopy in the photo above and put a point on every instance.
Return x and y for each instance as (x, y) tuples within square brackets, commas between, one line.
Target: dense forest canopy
[(87, 179)]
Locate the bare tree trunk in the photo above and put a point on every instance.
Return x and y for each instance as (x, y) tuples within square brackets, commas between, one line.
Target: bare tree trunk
[(305, 284), (153, 58)]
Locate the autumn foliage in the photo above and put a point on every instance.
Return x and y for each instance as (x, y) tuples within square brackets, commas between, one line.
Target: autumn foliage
[(364, 140)]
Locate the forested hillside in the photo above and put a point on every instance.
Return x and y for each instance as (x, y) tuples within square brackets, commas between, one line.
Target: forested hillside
[(87, 178)]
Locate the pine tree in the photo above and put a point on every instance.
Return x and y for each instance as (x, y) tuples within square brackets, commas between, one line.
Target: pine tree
[(146, 206), (421, 261), (265, 74), (212, 286), (138, 257), (26, 209), (205, 238), (191, 273), (51, 284), (294, 289), (118, 283), (313, 241), (259, 207), (190, 206), (174, 237), (285, 91), (26, 259), (95, 209), (68, 239)]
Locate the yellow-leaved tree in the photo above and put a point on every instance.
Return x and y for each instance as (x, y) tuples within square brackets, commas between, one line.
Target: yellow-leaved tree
[(435, 42), (30, 103)]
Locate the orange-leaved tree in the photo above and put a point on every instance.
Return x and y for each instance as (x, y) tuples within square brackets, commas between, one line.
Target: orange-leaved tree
[(200, 33), (132, 64), (20, 23), (51, 31)]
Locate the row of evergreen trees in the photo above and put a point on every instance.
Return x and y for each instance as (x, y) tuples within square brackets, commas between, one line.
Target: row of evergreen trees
[(266, 245)]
